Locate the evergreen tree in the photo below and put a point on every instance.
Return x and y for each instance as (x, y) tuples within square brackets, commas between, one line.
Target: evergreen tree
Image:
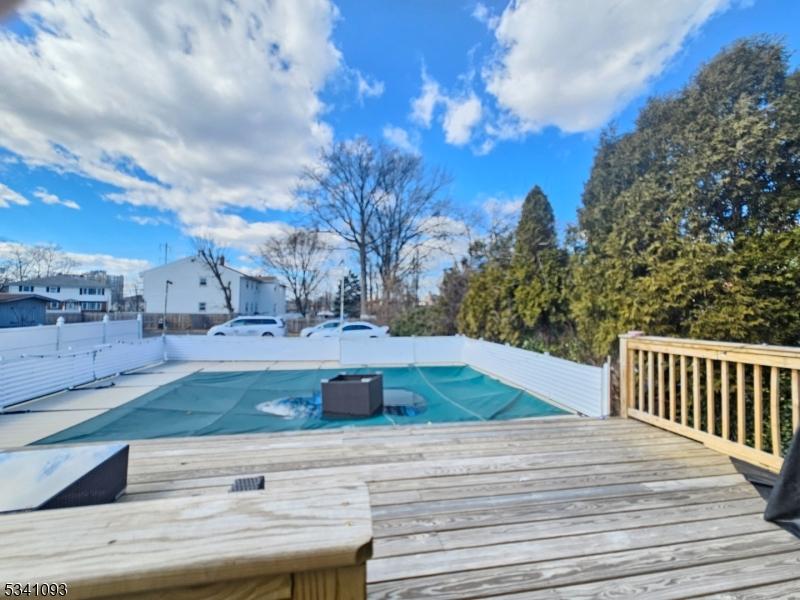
[(521, 300), (689, 223)]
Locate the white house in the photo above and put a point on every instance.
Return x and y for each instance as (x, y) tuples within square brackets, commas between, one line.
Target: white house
[(194, 289), (67, 293)]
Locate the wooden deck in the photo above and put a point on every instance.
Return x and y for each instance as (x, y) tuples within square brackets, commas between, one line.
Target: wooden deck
[(550, 508)]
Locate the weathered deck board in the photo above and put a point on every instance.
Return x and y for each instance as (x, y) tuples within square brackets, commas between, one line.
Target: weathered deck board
[(555, 508), (562, 507)]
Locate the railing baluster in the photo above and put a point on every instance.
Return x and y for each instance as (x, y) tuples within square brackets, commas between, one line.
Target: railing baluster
[(641, 380), (726, 400), (661, 384), (758, 408), (740, 403), (774, 411), (710, 396), (672, 392), (696, 392), (684, 392), (651, 392), (795, 400)]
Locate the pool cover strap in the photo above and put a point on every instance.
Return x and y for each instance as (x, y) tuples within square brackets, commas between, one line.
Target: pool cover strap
[(783, 506)]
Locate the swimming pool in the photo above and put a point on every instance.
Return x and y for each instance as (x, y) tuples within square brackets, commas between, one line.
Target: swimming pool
[(223, 403)]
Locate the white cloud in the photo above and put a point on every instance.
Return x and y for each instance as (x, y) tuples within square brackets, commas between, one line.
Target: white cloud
[(399, 137), (48, 198), (575, 64), (461, 111), (483, 14), (368, 87), (422, 106), (498, 206), (460, 118), (147, 221), (233, 231), (9, 197), (217, 101)]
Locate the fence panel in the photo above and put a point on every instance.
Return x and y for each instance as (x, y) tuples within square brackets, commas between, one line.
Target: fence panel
[(582, 388), (20, 341), (34, 376)]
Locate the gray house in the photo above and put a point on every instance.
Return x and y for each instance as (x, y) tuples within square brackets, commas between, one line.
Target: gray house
[(22, 310)]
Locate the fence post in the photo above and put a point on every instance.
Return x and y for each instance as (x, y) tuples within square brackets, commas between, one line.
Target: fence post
[(105, 328), (139, 325), (626, 372), (59, 325)]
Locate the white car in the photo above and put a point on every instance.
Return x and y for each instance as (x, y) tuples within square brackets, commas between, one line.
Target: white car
[(252, 326), (307, 331), (360, 329)]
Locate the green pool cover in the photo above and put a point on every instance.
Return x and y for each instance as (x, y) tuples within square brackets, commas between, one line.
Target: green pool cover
[(221, 403)]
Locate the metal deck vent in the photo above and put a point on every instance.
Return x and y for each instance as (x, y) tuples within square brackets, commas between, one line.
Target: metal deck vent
[(248, 484)]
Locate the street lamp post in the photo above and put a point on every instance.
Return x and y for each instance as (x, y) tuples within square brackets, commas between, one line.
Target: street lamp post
[(166, 294)]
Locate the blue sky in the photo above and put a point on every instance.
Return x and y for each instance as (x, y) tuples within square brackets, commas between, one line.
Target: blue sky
[(164, 124)]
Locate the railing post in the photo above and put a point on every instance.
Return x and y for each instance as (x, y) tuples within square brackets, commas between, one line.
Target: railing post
[(59, 325), (105, 328), (626, 372)]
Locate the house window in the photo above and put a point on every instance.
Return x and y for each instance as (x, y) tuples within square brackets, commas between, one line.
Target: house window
[(54, 305), (203, 282), (201, 307), (53, 289), (92, 291), (26, 288)]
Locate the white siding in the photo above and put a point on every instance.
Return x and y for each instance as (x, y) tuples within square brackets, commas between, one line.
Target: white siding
[(249, 296)]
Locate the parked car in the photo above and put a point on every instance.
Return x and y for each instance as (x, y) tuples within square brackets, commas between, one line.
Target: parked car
[(307, 331), (360, 329), (252, 326)]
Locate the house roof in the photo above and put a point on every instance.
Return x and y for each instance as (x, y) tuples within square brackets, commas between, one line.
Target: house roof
[(8, 298), (66, 281)]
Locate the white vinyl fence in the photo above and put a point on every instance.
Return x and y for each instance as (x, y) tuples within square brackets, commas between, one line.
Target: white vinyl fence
[(16, 342), (42, 361), (581, 388), (32, 376)]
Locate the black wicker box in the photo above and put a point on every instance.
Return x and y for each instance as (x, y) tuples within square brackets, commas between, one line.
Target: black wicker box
[(352, 395)]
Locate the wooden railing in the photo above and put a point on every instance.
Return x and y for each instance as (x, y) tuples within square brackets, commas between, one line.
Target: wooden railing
[(740, 399)]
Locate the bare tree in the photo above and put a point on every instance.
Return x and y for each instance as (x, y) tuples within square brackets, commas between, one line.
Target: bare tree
[(298, 258), (27, 262), (409, 223), (49, 260), (214, 258), (343, 195)]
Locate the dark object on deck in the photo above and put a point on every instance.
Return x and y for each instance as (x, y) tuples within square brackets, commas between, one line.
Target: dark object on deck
[(352, 395), (783, 506), (62, 477), (248, 484)]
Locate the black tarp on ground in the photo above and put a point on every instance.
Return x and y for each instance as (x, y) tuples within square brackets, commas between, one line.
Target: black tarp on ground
[(783, 506)]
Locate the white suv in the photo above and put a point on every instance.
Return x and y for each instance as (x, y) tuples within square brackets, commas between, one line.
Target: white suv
[(256, 325)]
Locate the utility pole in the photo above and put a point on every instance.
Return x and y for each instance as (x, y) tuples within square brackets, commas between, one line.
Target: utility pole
[(165, 246)]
